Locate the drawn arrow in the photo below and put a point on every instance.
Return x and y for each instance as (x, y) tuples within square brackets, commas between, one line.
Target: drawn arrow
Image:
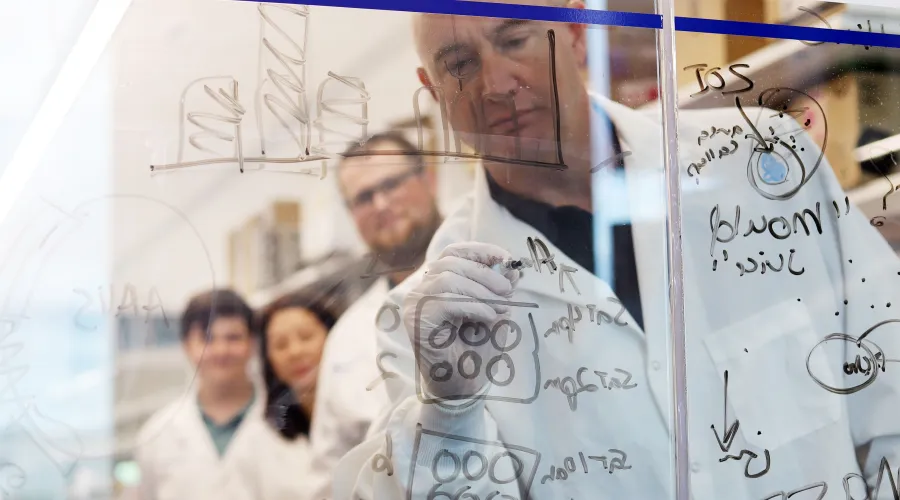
[(731, 431)]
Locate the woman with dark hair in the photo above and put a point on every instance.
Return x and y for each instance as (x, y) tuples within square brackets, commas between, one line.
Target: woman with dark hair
[(292, 335)]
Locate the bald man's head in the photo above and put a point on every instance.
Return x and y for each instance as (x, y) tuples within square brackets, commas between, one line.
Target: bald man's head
[(495, 76)]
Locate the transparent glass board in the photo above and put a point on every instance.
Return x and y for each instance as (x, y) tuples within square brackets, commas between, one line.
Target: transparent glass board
[(449, 250)]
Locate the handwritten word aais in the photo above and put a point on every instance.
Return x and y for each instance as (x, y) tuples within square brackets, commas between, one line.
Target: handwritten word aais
[(129, 303)]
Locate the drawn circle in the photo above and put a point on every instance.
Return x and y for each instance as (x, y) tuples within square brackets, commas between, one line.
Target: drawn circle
[(772, 168), (463, 494), (434, 466), (513, 327), (434, 494), (15, 477), (466, 460), (853, 340), (450, 338), (475, 328), (518, 467), (56, 238), (490, 369), (569, 464), (443, 365), (394, 309), (476, 362), (763, 184)]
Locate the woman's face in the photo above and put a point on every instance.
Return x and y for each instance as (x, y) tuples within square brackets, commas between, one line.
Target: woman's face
[(295, 338)]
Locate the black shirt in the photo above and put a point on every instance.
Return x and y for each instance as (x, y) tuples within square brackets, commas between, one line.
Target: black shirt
[(571, 229)]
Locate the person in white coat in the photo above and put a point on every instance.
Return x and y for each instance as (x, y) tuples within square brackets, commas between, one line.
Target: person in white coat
[(193, 447), (392, 202), (293, 332), (535, 358)]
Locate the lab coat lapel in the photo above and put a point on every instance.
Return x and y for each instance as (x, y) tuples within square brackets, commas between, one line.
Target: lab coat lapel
[(252, 419), (190, 431), (645, 178)]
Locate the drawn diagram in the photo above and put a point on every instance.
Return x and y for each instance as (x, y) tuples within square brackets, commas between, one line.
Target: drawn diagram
[(473, 460), (517, 358), (867, 363), (281, 93), (776, 155)]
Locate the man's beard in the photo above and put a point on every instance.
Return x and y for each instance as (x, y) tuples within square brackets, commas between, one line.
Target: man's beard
[(412, 251)]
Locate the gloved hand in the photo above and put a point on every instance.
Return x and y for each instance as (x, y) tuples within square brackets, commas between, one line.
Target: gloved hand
[(453, 332)]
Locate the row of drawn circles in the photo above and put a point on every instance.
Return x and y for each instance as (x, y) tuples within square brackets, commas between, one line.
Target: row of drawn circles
[(485, 466), (475, 328), (468, 333)]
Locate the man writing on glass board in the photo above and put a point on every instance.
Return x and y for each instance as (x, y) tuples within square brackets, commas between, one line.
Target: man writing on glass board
[(392, 201), (535, 360)]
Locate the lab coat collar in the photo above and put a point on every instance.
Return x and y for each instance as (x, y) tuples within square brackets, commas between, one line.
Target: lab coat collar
[(187, 425), (644, 173)]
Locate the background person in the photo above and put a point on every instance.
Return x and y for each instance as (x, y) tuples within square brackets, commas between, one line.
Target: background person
[(192, 447), (392, 201), (294, 329)]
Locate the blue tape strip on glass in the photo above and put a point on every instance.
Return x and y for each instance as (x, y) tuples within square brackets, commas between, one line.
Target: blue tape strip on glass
[(613, 18), (503, 10)]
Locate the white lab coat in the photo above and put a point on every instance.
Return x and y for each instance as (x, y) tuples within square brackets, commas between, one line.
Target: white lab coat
[(753, 326), (279, 469), (350, 393), (179, 460)]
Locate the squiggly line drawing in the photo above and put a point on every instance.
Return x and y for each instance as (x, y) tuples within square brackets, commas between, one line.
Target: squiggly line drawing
[(329, 116), (293, 81), (288, 104)]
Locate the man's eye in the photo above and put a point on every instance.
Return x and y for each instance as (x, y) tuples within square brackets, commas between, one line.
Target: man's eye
[(514, 43), (461, 67)]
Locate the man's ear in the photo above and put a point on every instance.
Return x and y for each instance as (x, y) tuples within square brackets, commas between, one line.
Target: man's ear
[(423, 77), (579, 36), (430, 175)]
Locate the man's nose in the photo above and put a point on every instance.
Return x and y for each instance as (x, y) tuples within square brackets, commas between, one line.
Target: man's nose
[(498, 76), (380, 201)]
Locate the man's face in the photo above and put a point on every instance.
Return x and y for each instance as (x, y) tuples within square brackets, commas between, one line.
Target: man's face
[(222, 358), (391, 202), (495, 75)]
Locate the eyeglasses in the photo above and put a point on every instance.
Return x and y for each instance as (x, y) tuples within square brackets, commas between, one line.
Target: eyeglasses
[(364, 198)]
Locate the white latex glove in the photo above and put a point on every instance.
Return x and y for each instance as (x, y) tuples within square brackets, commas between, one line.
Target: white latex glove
[(461, 273)]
